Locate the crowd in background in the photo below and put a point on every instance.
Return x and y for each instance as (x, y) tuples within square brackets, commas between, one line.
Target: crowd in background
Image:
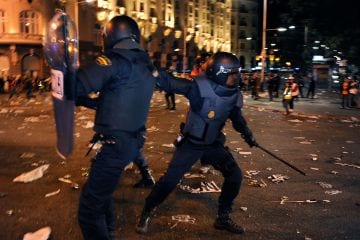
[(27, 83), (276, 84)]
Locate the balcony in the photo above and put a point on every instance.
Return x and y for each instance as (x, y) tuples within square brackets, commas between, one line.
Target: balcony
[(21, 38)]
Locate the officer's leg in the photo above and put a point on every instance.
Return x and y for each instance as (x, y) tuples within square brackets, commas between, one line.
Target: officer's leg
[(184, 157), (147, 180), (110, 217), (223, 161), (94, 210), (172, 96)]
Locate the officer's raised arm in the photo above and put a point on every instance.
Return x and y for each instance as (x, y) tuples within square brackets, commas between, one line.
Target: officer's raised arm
[(169, 83)]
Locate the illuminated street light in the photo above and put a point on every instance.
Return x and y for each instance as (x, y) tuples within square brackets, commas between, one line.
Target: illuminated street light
[(292, 27), (249, 38)]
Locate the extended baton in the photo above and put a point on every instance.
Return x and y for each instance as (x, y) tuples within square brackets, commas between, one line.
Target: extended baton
[(281, 160)]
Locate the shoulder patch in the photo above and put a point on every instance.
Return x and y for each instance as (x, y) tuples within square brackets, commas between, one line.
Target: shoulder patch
[(103, 61)]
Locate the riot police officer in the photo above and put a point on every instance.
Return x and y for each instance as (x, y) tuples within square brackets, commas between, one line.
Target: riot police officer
[(214, 97), (123, 76)]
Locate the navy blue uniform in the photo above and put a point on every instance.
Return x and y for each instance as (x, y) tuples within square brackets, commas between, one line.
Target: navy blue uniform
[(211, 105), (125, 84)]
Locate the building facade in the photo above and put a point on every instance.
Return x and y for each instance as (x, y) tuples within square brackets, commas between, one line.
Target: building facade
[(172, 30), (244, 31), (23, 26)]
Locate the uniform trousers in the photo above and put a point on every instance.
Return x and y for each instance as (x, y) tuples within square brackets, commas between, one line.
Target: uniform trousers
[(184, 158), (96, 214)]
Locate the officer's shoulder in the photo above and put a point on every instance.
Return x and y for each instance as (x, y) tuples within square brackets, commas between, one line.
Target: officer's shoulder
[(103, 60), (116, 58)]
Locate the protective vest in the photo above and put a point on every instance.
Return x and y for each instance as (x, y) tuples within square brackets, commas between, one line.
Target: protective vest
[(287, 93), (124, 103), (205, 126)]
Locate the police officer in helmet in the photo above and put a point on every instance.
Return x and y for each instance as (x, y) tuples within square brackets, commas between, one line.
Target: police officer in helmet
[(123, 76), (214, 97)]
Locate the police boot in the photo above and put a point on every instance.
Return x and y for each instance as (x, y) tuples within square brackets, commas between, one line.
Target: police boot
[(143, 225), (224, 222), (147, 179)]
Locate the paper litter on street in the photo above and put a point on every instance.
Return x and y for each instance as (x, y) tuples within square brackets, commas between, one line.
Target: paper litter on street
[(325, 185), (348, 165), (41, 234), (32, 175), (171, 145), (256, 183), (52, 193), (206, 187), (333, 192), (27, 155), (278, 178)]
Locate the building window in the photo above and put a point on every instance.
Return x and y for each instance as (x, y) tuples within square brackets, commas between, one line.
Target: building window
[(3, 21), (242, 34), (29, 22), (243, 22), (243, 9)]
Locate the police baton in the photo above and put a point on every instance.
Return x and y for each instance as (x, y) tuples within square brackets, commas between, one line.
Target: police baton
[(281, 160)]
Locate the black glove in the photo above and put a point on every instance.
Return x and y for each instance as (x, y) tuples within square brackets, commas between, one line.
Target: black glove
[(250, 140)]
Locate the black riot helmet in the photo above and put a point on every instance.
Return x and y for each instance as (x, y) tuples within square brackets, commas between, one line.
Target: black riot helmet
[(120, 28), (221, 65)]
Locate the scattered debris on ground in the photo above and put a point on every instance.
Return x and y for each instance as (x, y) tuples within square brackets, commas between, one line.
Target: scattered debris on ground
[(278, 178), (32, 175), (41, 234)]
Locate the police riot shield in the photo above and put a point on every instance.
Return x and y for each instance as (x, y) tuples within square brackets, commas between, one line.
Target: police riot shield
[(61, 52)]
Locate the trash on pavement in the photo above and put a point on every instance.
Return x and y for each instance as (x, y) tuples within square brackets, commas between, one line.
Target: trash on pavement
[(183, 219), (256, 183), (350, 142), (333, 192), (73, 184), (314, 156), (251, 173), (295, 121), (285, 199), (129, 166), (152, 129), (314, 168), (171, 145), (41, 234), (244, 209), (32, 119), (299, 137), (206, 187), (325, 185), (193, 175), (348, 165), (32, 175), (27, 155), (244, 153), (278, 178), (52, 193), (305, 142), (89, 124), (10, 212), (334, 172)]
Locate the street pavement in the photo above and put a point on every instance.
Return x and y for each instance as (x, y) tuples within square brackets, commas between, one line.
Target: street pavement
[(318, 137)]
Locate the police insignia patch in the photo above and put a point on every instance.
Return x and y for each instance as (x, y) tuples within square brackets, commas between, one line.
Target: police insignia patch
[(211, 114), (103, 61)]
